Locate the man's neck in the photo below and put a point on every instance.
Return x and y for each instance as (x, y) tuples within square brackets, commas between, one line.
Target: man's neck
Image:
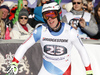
[(57, 28), (77, 12)]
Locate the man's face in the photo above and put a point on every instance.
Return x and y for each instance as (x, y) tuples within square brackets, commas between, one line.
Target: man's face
[(52, 23), (5, 13), (1, 1), (90, 6), (23, 20), (25, 4), (51, 18), (99, 12), (77, 5)]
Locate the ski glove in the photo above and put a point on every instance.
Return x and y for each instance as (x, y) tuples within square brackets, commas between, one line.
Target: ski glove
[(90, 72), (12, 69)]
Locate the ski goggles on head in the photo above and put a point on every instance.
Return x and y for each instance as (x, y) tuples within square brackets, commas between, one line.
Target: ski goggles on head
[(50, 14)]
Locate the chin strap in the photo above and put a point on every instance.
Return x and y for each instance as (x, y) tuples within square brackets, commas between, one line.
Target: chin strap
[(56, 27)]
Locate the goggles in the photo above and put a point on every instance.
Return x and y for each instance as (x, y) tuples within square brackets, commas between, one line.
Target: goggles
[(50, 14)]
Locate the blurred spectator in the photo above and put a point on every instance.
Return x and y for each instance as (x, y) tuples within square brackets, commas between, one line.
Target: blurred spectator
[(37, 20), (1, 1), (19, 7), (97, 13), (97, 17), (5, 17), (2, 27), (21, 29), (25, 5), (43, 2), (84, 21), (16, 10), (36, 17), (30, 10), (88, 5)]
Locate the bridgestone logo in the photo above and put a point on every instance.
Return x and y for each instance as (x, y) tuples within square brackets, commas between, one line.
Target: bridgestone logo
[(55, 40)]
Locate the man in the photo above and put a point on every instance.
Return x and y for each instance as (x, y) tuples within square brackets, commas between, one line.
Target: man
[(56, 40), (1, 1), (21, 4), (5, 10), (25, 4), (21, 29), (5, 17), (88, 4), (2, 27), (38, 19), (88, 28)]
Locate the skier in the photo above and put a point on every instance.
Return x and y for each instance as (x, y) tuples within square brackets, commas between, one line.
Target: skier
[(56, 39)]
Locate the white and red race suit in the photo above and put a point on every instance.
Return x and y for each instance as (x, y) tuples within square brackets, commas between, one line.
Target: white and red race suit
[(56, 48)]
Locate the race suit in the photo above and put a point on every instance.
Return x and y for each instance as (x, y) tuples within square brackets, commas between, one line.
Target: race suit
[(56, 48)]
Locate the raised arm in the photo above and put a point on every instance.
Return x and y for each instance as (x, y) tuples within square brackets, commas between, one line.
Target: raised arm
[(92, 28)]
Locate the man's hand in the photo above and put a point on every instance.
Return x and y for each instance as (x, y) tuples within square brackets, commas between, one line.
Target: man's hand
[(75, 27), (82, 22), (12, 69), (90, 72)]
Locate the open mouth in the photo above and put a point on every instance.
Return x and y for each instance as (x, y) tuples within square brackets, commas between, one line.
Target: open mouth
[(51, 22)]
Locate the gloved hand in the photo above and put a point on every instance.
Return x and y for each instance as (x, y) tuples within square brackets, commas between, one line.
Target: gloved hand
[(90, 72), (12, 69)]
